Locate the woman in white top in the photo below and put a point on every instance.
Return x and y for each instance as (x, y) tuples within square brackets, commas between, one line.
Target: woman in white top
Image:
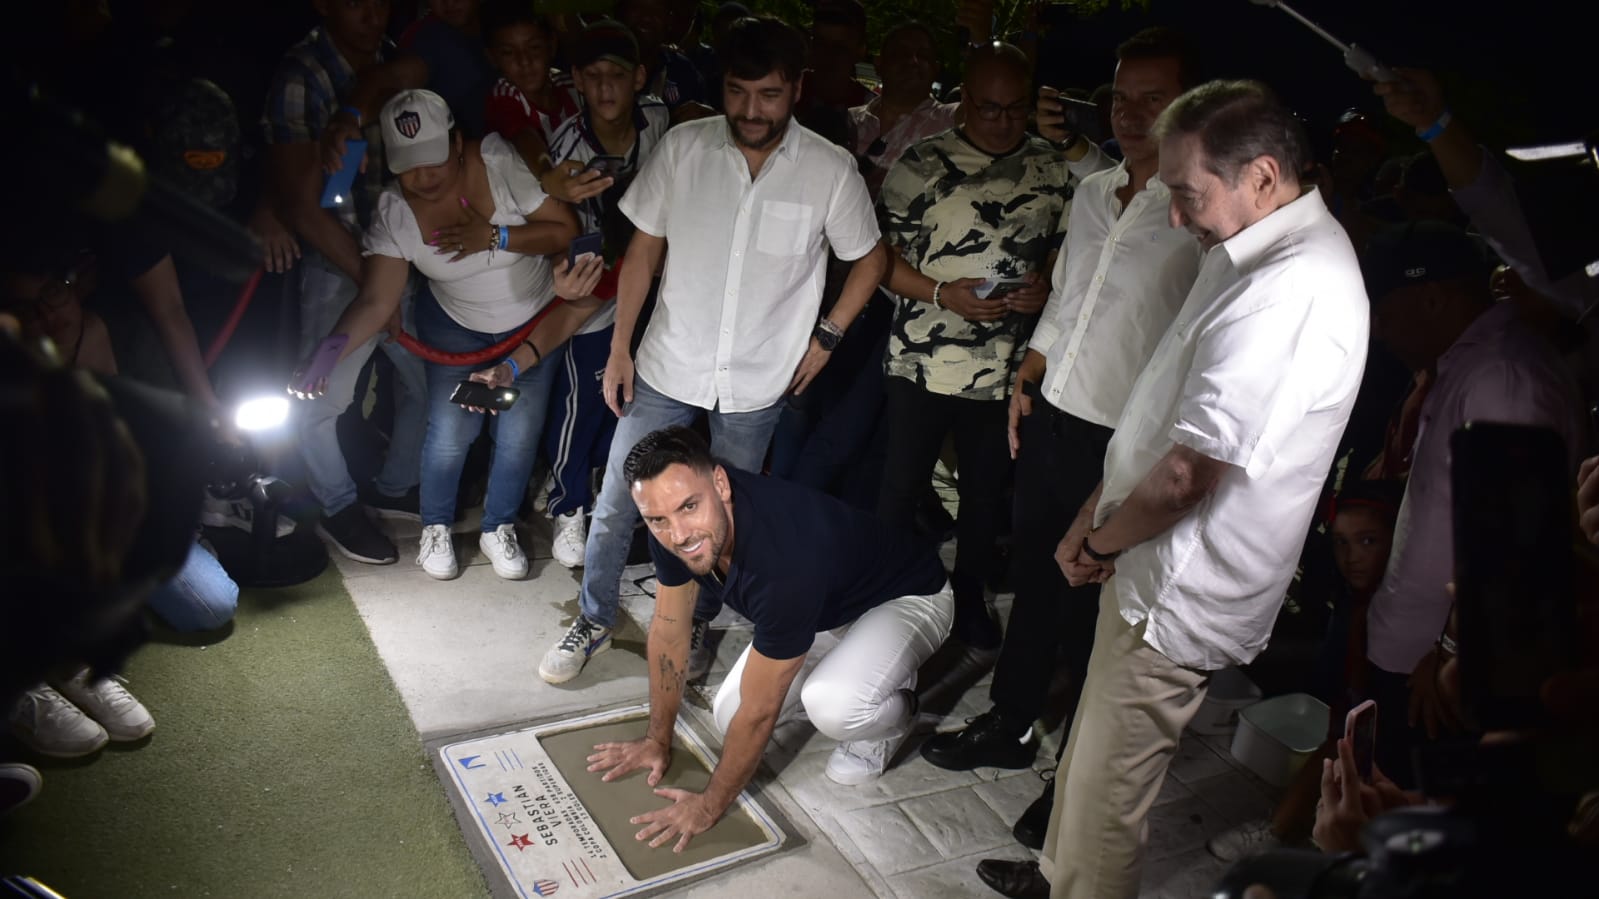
[(472, 219)]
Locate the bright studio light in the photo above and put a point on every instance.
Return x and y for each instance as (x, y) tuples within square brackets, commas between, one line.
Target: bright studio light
[(262, 413)]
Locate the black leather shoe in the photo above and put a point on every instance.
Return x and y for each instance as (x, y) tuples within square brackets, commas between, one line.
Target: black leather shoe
[(987, 742), (1019, 880), (1034, 823)]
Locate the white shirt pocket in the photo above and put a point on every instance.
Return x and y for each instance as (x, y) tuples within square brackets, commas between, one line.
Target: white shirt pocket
[(784, 228)]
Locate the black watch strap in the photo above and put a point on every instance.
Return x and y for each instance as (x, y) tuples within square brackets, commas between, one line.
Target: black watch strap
[(1094, 554), (827, 337)]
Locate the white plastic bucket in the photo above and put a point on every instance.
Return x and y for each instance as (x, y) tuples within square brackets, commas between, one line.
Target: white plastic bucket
[(1276, 737), (1230, 693)]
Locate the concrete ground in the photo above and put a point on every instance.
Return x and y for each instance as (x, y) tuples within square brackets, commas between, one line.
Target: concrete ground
[(464, 655)]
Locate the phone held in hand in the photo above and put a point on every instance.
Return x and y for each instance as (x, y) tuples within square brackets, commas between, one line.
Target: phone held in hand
[(322, 362), (1082, 118), (481, 396), (1360, 729), (997, 288), (608, 166), (337, 192), (584, 246)]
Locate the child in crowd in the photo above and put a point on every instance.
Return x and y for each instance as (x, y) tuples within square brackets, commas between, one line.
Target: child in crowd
[(623, 127), (531, 100)]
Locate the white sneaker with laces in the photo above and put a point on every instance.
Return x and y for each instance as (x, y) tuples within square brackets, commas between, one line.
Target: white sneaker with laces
[(1249, 838), (504, 552), (50, 725), (437, 556), (124, 718), (571, 537), (581, 641), (235, 513)]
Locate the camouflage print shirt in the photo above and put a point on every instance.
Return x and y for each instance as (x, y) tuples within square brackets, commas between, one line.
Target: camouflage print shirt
[(955, 211)]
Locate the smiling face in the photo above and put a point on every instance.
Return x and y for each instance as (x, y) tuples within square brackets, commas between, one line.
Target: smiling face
[(758, 111), (690, 514), (1203, 202)]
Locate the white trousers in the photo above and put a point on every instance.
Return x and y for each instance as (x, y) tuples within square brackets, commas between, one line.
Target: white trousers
[(848, 684)]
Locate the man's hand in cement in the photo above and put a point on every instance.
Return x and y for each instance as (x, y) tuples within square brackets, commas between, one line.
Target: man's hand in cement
[(689, 814), (618, 759)]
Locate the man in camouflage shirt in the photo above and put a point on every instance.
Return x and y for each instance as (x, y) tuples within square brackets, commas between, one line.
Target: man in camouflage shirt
[(973, 215)]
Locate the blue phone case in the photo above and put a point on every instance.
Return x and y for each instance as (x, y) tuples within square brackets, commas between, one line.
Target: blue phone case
[(592, 242), (337, 191)]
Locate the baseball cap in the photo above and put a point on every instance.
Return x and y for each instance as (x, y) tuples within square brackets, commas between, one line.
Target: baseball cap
[(416, 130), (609, 40), (1419, 253)]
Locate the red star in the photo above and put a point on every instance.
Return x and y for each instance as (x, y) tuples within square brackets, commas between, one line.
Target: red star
[(520, 841)]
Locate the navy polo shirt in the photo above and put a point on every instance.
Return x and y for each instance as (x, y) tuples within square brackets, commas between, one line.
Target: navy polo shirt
[(804, 562)]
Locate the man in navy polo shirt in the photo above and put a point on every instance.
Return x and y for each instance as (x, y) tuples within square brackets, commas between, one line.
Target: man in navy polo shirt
[(795, 562)]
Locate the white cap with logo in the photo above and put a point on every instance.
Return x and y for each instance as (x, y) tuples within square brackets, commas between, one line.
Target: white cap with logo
[(416, 130)]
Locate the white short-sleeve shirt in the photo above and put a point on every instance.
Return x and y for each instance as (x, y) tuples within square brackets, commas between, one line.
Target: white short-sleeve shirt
[(1259, 370), (746, 260), (479, 293)]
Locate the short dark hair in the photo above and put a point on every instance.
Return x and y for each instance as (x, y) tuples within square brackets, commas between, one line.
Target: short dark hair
[(911, 25), (1160, 42), (848, 13), (760, 45), (497, 15), (1236, 122), (660, 450)]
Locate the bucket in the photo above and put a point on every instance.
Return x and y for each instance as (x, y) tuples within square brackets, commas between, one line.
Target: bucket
[(1230, 693), (1276, 737)]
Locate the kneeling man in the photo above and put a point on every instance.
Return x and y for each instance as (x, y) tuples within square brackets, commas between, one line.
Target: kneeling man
[(795, 562)]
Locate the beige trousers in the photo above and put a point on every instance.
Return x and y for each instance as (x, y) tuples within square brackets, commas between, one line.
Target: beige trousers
[(1134, 707)]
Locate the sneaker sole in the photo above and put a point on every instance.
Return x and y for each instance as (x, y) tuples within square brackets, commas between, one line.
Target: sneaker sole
[(129, 736), (349, 554), (555, 679), (450, 575), (850, 780), (61, 753), (518, 575)]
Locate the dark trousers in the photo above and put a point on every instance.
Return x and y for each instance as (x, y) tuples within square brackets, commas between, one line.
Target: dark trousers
[(917, 422), (1061, 460)]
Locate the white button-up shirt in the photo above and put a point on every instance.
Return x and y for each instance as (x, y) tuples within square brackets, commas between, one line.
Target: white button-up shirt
[(1119, 280), (1259, 370), (745, 260)]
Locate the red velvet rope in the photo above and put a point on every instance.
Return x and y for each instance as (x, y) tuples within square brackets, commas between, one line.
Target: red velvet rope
[(226, 334), (476, 357)]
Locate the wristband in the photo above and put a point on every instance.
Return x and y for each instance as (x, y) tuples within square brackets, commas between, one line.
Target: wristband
[(505, 236), (937, 288), (1432, 131), (516, 370), (353, 110), (1095, 554), (537, 356)]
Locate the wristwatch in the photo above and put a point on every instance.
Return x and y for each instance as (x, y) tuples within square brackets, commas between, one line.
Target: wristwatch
[(827, 334), (1095, 554)]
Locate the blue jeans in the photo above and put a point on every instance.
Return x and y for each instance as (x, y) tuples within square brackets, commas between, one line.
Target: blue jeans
[(738, 439), (200, 597), (451, 428), (325, 291), (577, 437)]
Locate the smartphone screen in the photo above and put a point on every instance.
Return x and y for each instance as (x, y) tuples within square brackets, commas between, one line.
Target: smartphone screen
[(1513, 568), (323, 362), (337, 191), (482, 396), (609, 166), (1360, 729)]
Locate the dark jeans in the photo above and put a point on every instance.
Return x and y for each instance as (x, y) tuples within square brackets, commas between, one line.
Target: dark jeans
[(1061, 460), (917, 422)]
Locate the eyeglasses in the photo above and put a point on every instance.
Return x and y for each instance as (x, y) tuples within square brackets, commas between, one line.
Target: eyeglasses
[(991, 112), (55, 294)]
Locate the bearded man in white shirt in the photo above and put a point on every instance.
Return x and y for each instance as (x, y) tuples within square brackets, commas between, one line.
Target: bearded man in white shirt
[(750, 203), (1212, 477)]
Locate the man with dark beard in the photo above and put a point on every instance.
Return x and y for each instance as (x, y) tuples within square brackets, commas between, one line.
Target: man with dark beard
[(797, 563), (750, 204)]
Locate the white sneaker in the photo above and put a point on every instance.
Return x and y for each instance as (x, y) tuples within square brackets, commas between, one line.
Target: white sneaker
[(862, 760), (50, 725), (124, 718), (504, 552), (235, 513), (437, 556), (571, 537), (566, 659), (1250, 838)]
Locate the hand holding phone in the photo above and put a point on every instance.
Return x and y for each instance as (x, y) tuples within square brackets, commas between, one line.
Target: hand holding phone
[(477, 396), (337, 192), (310, 380), (608, 166), (1360, 729), (584, 246)]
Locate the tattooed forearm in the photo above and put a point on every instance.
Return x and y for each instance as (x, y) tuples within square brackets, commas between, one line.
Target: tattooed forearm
[(671, 676)]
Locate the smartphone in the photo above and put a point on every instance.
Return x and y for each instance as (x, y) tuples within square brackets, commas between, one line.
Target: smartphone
[(997, 288), (1360, 729), (584, 245), (1082, 118), (1514, 587), (322, 362), (482, 396), (338, 191), (609, 166)]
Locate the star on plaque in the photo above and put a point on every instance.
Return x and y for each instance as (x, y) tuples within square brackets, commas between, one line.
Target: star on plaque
[(508, 818), (520, 841), (495, 799)]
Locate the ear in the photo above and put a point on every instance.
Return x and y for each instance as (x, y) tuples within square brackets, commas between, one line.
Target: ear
[(724, 487), (1264, 176)]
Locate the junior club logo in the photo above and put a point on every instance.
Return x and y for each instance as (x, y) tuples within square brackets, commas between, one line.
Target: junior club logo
[(408, 123)]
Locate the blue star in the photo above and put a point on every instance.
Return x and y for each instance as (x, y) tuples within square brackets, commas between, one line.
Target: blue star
[(496, 798)]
